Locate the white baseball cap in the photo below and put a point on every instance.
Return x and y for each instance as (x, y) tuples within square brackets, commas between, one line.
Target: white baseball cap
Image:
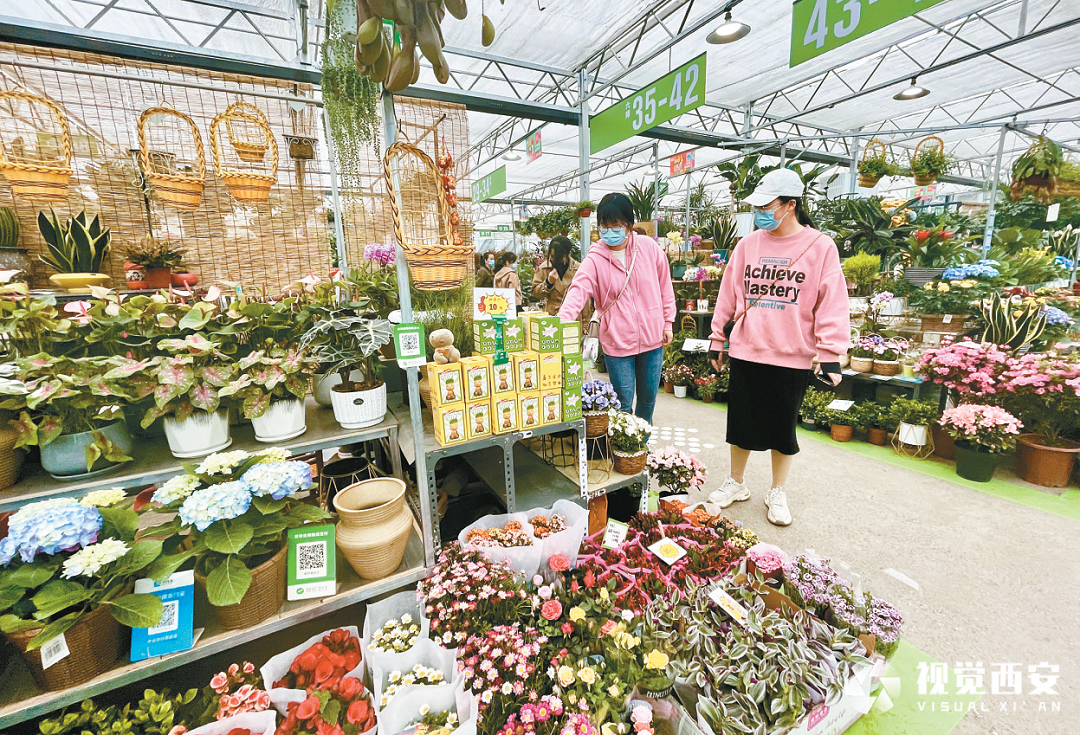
[(783, 182)]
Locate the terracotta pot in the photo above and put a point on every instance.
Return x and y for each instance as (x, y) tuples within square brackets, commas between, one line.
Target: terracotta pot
[(158, 277), (669, 387), (944, 445), (841, 433), (263, 598), (374, 525), (879, 437), (707, 399), (184, 280), (1044, 465)]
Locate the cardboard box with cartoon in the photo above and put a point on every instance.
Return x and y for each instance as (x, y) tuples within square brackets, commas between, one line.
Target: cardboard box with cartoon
[(476, 377), (545, 333), (503, 380), (551, 370), (484, 336), (445, 383), (450, 424), (573, 374), (505, 412), (551, 406), (479, 419), (571, 404), (571, 337), (526, 370), (529, 410)]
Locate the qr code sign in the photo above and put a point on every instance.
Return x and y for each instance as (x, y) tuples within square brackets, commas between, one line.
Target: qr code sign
[(170, 613), (311, 560), (410, 343)]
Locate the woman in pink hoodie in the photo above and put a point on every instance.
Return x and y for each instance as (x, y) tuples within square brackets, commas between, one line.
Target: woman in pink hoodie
[(628, 277), (783, 302)]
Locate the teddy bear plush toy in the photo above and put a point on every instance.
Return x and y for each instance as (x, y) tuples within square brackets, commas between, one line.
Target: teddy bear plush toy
[(443, 342)]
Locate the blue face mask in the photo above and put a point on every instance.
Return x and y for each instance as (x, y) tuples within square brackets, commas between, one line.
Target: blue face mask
[(613, 237), (513, 266), (765, 219), (491, 264)]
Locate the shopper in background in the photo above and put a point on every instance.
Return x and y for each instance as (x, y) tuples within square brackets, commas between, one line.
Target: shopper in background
[(783, 302), (554, 275), (629, 279), (485, 270), (506, 276)]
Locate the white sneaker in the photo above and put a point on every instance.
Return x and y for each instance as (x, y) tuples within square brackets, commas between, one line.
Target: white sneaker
[(776, 502), (729, 492)]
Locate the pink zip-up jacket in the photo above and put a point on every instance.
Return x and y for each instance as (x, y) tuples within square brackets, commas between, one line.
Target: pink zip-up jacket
[(637, 321), (802, 315)]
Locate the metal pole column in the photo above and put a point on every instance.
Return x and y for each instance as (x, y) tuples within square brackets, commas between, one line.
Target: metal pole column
[(853, 169), (584, 144), (335, 195), (425, 480), (513, 226), (988, 233), (686, 243)]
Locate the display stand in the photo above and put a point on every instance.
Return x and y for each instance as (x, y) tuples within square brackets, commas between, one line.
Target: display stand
[(600, 469)]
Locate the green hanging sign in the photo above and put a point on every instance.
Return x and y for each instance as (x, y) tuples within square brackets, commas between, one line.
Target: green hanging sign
[(819, 26), (488, 186)]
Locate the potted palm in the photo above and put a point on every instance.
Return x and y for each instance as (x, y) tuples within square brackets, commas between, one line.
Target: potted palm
[(982, 434), (271, 385), (71, 409), (76, 251), (157, 259), (348, 344), (645, 197)]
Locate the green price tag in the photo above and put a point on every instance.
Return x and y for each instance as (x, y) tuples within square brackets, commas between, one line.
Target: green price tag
[(409, 344), (677, 93), (819, 26), (312, 562), (503, 228), (488, 186)]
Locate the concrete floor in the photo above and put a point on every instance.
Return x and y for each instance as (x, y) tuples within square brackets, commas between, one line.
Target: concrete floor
[(997, 582)]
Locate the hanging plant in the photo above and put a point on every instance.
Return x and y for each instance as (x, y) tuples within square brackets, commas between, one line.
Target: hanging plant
[(351, 101), (1037, 171)]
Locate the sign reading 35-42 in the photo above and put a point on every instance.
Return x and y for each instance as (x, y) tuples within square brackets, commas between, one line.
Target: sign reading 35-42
[(818, 26)]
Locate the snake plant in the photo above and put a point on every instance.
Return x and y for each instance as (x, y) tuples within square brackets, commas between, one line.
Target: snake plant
[(74, 245), (1011, 325)]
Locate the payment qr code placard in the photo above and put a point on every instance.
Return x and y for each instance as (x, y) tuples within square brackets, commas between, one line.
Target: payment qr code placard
[(312, 562), (409, 343), (170, 617)]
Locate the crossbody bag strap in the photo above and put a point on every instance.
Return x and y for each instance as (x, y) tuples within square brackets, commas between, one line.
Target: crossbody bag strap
[(736, 320)]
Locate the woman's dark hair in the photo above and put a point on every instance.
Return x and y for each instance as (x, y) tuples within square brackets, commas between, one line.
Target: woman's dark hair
[(505, 259), (560, 247), (800, 211), (615, 209)]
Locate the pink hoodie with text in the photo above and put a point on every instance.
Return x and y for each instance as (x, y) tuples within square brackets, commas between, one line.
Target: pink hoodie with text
[(637, 322), (802, 315)]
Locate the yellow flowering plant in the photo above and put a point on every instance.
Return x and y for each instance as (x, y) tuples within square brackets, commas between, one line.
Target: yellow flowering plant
[(949, 297)]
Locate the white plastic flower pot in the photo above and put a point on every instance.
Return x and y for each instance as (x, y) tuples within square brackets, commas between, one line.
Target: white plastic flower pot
[(324, 383), (680, 391), (895, 307), (359, 409), (198, 435), (284, 419), (913, 435)]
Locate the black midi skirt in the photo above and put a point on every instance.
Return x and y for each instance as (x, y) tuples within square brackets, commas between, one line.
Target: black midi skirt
[(763, 405)]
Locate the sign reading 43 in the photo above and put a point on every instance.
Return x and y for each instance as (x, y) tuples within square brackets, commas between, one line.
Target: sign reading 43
[(819, 26)]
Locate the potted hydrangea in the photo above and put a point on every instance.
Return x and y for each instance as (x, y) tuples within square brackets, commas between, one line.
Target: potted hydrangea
[(597, 397), (982, 435), (629, 438)]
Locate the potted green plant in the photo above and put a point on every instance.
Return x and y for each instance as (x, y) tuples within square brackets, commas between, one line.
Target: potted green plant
[(861, 270), (231, 518), (982, 434), (913, 419), (813, 407), (874, 418), (929, 163), (645, 196), (76, 251), (628, 436), (157, 259), (67, 568), (271, 384), (585, 208), (841, 424), (185, 384), (348, 344), (1036, 171), (873, 166), (12, 257), (71, 409), (944, 306)]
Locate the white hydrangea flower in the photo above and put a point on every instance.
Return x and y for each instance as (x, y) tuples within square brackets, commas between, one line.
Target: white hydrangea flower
[(273, 455), (176, 489), (222, 463), (90, 560), (103, 498)]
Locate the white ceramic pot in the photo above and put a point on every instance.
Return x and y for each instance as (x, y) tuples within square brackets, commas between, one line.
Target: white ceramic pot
[(323, 383), (359, 409), (895, 307), (284, 419), (912, 435), (198, 435), (680, 391)]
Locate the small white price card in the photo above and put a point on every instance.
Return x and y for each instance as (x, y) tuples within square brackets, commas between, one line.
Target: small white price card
[(841, 405), (696, 345), (668, 551), (946, 319), (729, 604), (615, 534), (54, 651)]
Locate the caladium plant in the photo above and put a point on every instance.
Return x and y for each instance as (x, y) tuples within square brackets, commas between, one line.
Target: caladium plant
[(276, 372), (187, 380)]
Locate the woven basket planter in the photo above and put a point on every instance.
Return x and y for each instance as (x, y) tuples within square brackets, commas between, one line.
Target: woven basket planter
[(862, 364), (95, 643), (10, 457), (250, 140), (32, 178), (926, 179), (246, 186), (264, 597), (866, 180), (886, 367), (176, 189), (937, 323), (629, 464), (438, 258), (596, 423)]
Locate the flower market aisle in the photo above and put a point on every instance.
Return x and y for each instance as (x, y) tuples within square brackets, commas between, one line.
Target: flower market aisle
[(954, 560)]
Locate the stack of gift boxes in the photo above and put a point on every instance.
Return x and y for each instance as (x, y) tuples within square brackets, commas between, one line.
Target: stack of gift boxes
[(539, 386)]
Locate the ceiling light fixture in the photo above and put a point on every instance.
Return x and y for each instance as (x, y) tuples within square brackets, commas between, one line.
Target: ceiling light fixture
[(511, 156), (729, 31), (914, 92)]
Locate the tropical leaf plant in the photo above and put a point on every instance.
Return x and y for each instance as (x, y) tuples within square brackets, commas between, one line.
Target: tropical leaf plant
[(275, 372), (347, 342), (1011, 325), (645, 196), (73, 245), (186, 380)]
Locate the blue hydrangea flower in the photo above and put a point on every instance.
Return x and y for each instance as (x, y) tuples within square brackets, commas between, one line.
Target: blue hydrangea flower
[(1063, 262), (982, 269), (953, 274), (1055, 317), (50, 526), (278, 479), (216, 503)]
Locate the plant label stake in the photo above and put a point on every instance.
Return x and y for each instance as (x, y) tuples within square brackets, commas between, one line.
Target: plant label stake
[(729, 604), (615, 534)]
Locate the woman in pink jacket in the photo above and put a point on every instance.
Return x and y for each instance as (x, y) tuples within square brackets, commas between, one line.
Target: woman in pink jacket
[(783, 302), (628, 277)]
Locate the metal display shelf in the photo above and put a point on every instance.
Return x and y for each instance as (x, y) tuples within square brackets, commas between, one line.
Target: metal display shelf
[(20, 700), (154, 462), (916, 385), (615, 481)]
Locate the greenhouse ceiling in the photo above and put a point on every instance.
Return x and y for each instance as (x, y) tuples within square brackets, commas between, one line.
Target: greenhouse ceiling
[(985, 64)]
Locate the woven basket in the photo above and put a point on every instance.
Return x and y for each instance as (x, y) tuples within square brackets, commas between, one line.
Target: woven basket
[(862, 364), (865, 180), (95, 643), (629, 464), (596, 423), (886, 367), (247, 187), (30, 178), (250, 148), (10, 457), (437, 261), (868, 182), (264, 597), (179, 190), (927, 179), (936, 323)]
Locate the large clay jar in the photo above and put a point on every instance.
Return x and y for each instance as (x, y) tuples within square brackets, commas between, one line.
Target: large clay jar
[(374, 525)]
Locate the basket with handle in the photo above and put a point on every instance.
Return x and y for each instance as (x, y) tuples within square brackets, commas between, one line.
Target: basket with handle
[(437, 260), (927, 179), (35, 177), (247, 187), (178, 189), (251, 140), (866, 180)]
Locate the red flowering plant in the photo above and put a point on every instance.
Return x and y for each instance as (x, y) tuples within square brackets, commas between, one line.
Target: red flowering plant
[(467, 593), (324, 663), (234, 691), (344, 709), (503, 668)]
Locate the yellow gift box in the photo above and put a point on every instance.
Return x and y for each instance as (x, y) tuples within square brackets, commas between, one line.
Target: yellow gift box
[(505, 410), (450, 424), (529, 410)]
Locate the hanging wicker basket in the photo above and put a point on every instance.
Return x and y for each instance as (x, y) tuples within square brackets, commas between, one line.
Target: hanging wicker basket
[(926, 179), (177, 189), (247, 187), (866, 180), (33, 177), (437, 259), (251, 140)]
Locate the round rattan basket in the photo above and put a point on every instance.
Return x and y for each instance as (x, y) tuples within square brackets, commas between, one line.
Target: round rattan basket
[(596, 423), (865, 180), (886, 367), (37, 178), (175, 188), (10, 457), (264, 597), (422, 224), (927, 179), (628, 464), (251, 140), (862, 364), (246, 186)]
